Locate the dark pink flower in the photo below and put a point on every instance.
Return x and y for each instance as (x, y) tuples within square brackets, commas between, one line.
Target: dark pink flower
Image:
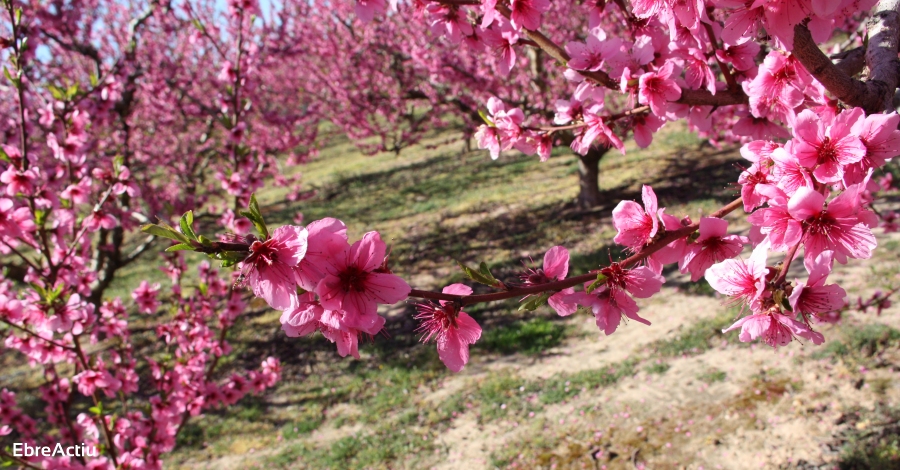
[(527, 13), (555, 268), (355, 284), (453, 329), (775, 329), (145, 297), (713, 245), (836, 228), (826, 149)]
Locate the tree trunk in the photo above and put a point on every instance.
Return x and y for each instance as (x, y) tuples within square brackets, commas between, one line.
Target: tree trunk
[(588, 175)]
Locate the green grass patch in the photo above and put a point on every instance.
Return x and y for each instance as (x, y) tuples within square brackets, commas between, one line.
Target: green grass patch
[(696, 339), (712, 375), (528, 337), (861, 342), (657, 367)]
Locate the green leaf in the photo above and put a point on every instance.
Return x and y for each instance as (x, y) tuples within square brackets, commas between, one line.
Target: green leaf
[(180, 247), (56, 92), (486, 119), (197, 24), (3, 155), (483, 269), (476, 275), (14, 81), (97, 410), (535, 301), (203, 240), (94, 80), (256, 217), (71, 91), (165, 231), (186, 222), (601, 279)]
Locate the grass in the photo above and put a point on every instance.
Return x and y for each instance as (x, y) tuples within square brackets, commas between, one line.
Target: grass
[(858, 343), (530, 337), (696, 338)]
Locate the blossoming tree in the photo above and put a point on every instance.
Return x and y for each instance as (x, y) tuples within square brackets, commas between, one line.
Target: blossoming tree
[(116, 113)]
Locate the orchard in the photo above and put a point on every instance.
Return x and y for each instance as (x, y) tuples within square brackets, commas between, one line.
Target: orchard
[(140, 134)]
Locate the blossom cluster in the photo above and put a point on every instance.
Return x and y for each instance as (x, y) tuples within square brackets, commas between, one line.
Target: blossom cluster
[(323, 283)]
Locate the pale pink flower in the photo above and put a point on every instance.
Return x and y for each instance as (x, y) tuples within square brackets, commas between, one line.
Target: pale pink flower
[(776, 222), (813, 296), (596, 129), (303, 317), (269, 267), (713, 245), (775, 329), (14, 222), (90, 380), (657, 89), (453, 329), (355, 283), (744, 280), (788, 173), (449, 21), (636, 225), (741, 56), (326, 238), (759, 174)]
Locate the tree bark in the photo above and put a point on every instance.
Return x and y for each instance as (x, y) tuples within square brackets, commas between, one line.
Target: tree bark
[(588, 178)]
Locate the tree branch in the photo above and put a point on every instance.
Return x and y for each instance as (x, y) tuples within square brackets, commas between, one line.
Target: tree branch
[(632, 260), (876, 94)]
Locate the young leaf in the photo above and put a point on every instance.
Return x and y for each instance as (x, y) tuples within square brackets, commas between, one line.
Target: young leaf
[(601, 279), (165, 231), (187, 222), (179, 247), (476, 275), (535, 301)]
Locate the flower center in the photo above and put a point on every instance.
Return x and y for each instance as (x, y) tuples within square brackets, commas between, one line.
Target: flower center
[(262, 253), (353, 279)]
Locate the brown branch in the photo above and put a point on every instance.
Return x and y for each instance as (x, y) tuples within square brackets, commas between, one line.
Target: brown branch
[(852, 61), (875, 94), (632, 260)]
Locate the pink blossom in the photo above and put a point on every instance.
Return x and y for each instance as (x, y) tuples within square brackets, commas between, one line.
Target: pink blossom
[(449, 21), (90, 380), (355, 283), (713, 245), (99, 219), (644, 126), (775, 329), (776, 222), (836, 228), (636, 225), (18, 181), (366, 9), (269, 267), (453, 329), (744, 280), (145, 297), (741, 56), (881, 138), (555, 268), (657, 89), (612, 300), (788, 173), (326, 238), (527, 13), (813, 296), (590, 55), (302, 318), (14, 223), (502, 41), (828, 148), (596, 128)]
